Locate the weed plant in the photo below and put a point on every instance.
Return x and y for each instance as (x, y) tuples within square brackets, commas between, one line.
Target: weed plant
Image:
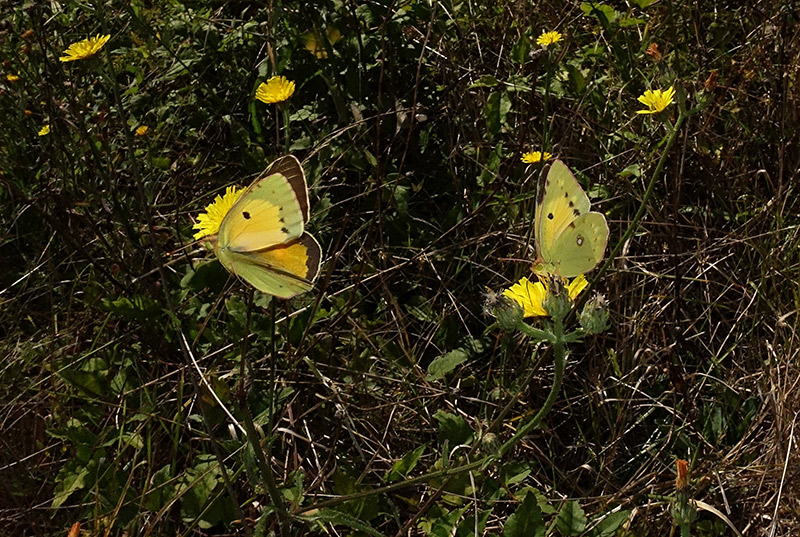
[(145, 391)]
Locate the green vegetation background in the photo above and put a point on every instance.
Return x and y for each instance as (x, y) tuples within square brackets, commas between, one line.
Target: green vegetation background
[(411, 131)]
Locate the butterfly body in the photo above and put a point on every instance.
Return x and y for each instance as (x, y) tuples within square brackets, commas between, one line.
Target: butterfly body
[(262, 238), (570, 238)]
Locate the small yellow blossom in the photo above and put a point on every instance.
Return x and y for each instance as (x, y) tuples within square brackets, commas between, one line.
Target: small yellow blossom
[(44, 131), (532, 157), (548, 38), (84, 49), (656, 100), (530, 295), (141, 130), (12, 77), (275, 90), (208, 222)]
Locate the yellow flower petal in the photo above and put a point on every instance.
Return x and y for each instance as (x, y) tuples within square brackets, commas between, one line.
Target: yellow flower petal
[(84, 49), (530, 296), (656, 100), (208, 222), (548, 38), (532, 157), (44, 131), (275, 90), (12, 77), (141, 130)]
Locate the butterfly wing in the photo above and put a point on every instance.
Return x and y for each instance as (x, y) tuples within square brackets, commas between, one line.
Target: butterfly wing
[(284, 270), (271, 211), (565, 232), (262, 239), (580, 247)]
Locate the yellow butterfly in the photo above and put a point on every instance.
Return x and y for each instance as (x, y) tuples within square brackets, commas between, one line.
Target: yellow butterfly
[(570, 239), (262, 238)]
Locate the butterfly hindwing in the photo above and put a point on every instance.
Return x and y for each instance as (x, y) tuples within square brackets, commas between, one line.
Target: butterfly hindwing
[(271, 211), (284, 270), (580, 247), (570, 239)]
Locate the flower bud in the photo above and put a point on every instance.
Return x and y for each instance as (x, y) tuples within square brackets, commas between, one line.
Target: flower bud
[(557, 302), (594, 317), (508, 313)]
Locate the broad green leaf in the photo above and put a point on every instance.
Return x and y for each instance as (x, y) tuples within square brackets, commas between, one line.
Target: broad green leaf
[(526, 520), (485, 81), (331, 516), (521, 49), (497, 107), (571, 520), (609, 525), (453, 428), (403, 467)]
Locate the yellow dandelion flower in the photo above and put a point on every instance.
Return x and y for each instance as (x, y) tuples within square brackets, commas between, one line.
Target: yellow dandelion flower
[(548, 38), (84, 49), (275, 90), (12, 77), (208, 222), (44, 131), (141, 130), (532, 157), (530, 295), (656, 100)]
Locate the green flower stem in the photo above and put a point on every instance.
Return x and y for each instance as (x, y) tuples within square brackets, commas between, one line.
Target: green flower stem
[(647, 195), (560, 364), (264, 468)]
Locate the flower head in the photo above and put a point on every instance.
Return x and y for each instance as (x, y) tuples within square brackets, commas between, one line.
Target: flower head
[(44, 131), (530, 296), (275, 90), (84, 49), (141, 130), (656, 100), (12, 77), (548, 38), (532, 157), (208, 222)]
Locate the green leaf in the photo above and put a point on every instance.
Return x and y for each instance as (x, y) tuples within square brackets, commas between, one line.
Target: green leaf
[(445, 363), (442, 365), (521, 49), (609, 525), (497, 107), (526, 520), (485, 81), (69, 480), (453, 428), (403, 467), (467, 526), (571, 520), (332, 516)]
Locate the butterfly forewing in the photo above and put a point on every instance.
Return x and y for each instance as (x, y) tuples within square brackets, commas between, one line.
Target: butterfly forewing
[(271, 211)]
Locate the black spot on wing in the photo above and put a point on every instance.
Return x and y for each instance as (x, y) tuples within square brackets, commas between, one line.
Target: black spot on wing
[(576, 212), (246, 215), (549, 216), (579, 240), (284, 231)]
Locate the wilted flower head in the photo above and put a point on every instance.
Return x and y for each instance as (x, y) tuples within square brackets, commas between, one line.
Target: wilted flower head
[(315, 44), (84, 49), (208, 222), (548, 38), (532, 157), (275, 90), (141, 130), (656, 100)]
